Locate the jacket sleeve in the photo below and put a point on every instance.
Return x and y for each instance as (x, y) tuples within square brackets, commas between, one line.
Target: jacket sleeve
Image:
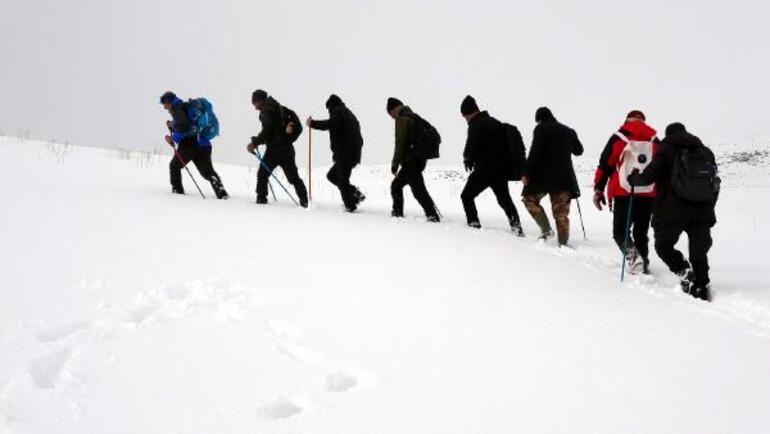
[(653, 171), (403, 124), (606, 167), (577, 147), (471, 152), (268, 127), (182, 127), (535, 151), (333, 123)]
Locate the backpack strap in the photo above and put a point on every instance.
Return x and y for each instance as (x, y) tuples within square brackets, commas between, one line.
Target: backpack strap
[(622, 136)]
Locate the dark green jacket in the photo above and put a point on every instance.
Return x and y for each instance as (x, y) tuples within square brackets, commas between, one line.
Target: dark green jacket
[(405, 132)]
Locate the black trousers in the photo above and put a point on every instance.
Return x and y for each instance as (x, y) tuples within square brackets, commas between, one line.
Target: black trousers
[(339, 175), (283, 157), (189, 150), (699, 237), (480, 180), (411, 175), (641, 214)]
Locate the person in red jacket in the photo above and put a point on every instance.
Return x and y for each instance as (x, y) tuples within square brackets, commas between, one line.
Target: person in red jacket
[(631, 147)]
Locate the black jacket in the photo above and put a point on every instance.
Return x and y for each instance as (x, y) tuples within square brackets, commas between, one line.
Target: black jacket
[(486, 147), (549, 165), (273, 126), (344, 134), (670, 208)]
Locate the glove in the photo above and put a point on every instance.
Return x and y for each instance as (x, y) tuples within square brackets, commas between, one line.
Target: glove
[(169, 140), (290, 128), (599, 199), (394, 168), (633, 175), (250, 148), (169, 125), (309, 122), (468, 165)]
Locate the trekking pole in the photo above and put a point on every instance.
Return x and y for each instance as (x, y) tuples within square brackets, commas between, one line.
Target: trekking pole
[(628, 229), (181, 160), (310, 163), (269, 184), (270, 172), (580, 213)]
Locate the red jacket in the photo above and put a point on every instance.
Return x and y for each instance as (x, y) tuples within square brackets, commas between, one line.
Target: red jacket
[(610, 160)]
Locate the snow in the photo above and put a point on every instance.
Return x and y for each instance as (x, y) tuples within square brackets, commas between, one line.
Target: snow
[(126, 309)]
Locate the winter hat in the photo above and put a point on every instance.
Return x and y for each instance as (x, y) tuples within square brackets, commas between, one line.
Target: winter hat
[(333, 101), (167, 98), (393, 103), (636, 114), (468, 106), (675, 128), (259, 95), (543, 114)]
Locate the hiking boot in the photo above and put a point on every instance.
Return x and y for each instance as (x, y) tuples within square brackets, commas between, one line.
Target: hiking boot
[(516, 228), (687, 278), (433, 219), (359, 197), (397, 214), (177, 190), (303, 202), (645, 265), (702, 292), (261, 200), (546, 235), (222, 194), (475, 224)]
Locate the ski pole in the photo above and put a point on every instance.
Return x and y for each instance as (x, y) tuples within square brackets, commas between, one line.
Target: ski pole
[(310, 163), (580, 213), (270, 172), (181, 160), (628, 229), (269, 183)]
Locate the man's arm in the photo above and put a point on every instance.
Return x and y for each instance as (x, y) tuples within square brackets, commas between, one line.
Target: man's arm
[(403, 124), (268, 127), (577, 147), (653, 170), (471, 151)]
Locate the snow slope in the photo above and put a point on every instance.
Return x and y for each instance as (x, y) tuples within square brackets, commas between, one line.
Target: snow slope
[(126, 309)]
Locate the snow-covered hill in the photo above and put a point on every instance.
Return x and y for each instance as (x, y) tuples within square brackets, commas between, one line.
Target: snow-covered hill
[(125, 309)]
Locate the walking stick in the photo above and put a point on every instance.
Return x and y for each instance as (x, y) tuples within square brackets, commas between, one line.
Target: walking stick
[(580, 213), (181, 160), (628, 228), (310, 163), (269, 184), (270, 172)]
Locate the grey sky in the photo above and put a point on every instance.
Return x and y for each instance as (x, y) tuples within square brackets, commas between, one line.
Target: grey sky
[(90, 72)]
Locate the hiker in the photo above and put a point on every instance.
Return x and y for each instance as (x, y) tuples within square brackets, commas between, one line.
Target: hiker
[(408, 161), (633, 146), (346, 143), (194, 145), (685, 172), (280, 129), (486, 157), (549, 172)]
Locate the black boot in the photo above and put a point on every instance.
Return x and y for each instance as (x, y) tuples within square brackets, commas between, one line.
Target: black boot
[(177, 190), (516, 227), (475, 224)]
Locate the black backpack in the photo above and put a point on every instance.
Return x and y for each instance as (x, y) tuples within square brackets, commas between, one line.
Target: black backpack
[(694, 176), (426, 139), (288, 116), (516, 152)]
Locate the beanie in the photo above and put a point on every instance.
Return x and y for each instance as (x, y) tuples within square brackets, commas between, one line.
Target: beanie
[(333, 101), (468, 106), (393, 103), (258, 96), (675, 128), (636, 114), (543, 114), (167, 98)]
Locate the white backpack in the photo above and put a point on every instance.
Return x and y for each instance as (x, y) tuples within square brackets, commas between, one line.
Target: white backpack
[(636, 155)]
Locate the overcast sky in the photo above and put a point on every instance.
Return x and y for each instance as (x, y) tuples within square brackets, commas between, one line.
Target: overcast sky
[(90, 71)]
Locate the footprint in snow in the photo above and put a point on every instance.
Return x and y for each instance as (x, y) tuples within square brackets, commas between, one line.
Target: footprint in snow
[(283, 408), (343, 381), (58, 333), (299, 353), (47, 370)]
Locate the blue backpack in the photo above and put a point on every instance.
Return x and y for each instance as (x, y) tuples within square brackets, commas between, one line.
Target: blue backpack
[(202, 115)]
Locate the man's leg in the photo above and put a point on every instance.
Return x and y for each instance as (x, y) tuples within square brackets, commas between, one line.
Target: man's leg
[(289, 166), (666, 237), (263, 174), (184, 151), (420, 192), (641, 215), (205, 167), (532, 203), (619, 220), (503, 195), (700, 242), (397, 191), (339, 175), (560, 203), (473, 187)]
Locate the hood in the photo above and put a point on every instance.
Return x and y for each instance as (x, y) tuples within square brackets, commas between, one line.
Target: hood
[(638, 130), (683, 140), (481, 115)]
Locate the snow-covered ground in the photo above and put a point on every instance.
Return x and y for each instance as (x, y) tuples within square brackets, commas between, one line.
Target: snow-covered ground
[(125, 309)]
